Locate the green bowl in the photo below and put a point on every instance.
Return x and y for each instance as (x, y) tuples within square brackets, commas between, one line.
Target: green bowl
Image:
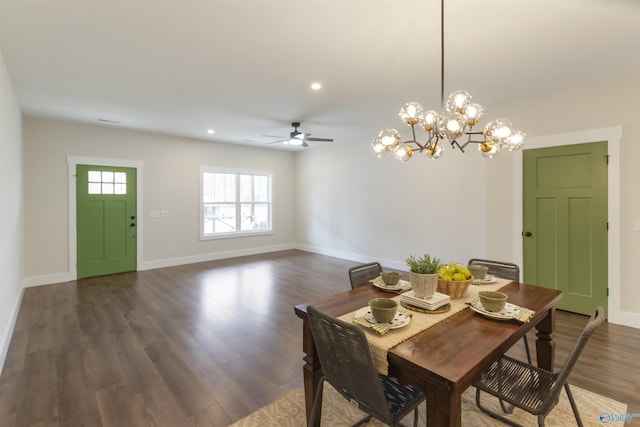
[(478, 271), (383, 309), (390, 278), (492, 301)]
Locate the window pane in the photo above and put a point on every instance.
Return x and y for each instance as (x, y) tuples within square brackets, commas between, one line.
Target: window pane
[(247, 221), (261, 188), (255, 216), (120, 188), (218, 187), (95, 188), (107, 176), (261, 215), (120, 177), (219, 218), (245, 188), (107, 188), (95, 176)]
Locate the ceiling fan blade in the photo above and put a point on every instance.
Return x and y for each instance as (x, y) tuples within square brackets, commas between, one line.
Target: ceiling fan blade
[(304, 144), (279, 141), (274, 136), (319, 139)]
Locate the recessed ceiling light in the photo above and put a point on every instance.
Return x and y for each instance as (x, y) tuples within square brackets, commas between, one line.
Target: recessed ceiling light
[(210, 131), (316, 86)]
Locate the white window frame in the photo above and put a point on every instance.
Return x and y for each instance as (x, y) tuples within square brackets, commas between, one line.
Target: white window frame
[(238, 203)]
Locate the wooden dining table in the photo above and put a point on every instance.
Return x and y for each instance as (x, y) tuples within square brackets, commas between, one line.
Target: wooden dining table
[(445, 359)]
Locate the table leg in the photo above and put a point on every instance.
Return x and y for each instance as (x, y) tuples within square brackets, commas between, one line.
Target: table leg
[(311, 371), (545, 344), (443, 408)]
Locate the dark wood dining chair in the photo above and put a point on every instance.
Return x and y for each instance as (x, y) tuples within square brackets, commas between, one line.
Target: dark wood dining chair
[(361, 274), (504, 270), (530, 388), (348, 366)]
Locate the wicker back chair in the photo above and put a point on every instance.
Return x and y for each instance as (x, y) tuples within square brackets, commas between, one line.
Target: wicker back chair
[(530, 388), (361, 274), (348, 366), (504, 270)]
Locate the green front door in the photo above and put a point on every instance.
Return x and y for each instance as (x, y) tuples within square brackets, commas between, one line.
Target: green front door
[(106, 220), (565, 223)]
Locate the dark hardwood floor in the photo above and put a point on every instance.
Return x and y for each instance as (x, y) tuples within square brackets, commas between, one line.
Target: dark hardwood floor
[(206, 344)]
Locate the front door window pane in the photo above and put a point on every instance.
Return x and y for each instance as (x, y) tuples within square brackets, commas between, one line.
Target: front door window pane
[(107, 182)]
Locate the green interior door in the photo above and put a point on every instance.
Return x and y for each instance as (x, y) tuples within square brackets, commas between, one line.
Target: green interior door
[(106, 220), (565, 223)]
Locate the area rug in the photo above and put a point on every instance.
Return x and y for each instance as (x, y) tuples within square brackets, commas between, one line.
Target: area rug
[(289, 411)]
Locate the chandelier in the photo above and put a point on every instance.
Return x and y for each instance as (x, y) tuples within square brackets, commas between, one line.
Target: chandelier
[(452, 125)]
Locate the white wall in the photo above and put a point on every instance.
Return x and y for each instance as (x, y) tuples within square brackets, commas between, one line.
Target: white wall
[(353, 205), (171, 167), (459, 206), (11, 210)]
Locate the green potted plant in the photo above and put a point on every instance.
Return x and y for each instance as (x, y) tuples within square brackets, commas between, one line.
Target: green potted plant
[(423, 273)]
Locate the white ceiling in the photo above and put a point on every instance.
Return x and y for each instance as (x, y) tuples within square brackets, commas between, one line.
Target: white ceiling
[(244, 67)]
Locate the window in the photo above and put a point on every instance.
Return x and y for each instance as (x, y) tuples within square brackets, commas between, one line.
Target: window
[(235, 203), (104, 182)]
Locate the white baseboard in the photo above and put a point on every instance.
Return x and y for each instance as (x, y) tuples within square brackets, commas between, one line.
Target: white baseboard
[(169, 262), (48, 279), (389, 263), (8, 332), (625, 318), (172, 262)]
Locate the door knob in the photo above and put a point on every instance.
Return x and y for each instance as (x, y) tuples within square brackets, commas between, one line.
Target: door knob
[(133, 224), (528, 234)]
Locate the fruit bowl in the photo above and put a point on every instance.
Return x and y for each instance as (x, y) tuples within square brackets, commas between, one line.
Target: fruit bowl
[(455, 289)]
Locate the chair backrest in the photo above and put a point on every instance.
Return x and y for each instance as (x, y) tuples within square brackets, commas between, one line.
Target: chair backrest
[(360, 275), (347, 363), (597, 318), (505, 270)]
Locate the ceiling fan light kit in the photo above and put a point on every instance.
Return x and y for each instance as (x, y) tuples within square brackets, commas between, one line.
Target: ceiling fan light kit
[(457, 121), (299, 138)]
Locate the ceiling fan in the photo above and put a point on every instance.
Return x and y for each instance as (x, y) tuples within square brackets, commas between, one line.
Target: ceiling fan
[(298, 138)]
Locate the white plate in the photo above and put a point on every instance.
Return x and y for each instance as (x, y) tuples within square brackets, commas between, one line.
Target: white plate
[(379, 283), (510, 311), (437, 300), (486, 280), (400, 320)]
